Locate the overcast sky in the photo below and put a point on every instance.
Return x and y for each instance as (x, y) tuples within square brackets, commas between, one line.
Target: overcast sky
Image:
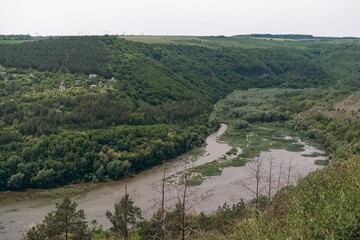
[(180, 17)]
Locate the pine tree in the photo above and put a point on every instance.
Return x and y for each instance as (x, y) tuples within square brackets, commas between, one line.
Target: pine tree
[(125, 215), (63, 223)]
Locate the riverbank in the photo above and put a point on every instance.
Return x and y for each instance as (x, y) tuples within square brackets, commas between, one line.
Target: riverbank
[(225, 188), (103, 196)]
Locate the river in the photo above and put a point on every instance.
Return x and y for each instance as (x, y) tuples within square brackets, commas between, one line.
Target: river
[(229, 187)]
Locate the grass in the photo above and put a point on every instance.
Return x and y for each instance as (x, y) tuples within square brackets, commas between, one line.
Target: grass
[(196, 180), (12, 210), (314, 154), (266, 137), (13, 41), (238, 162), (235, 140), (188, 40), (263, 137), (214, 168), (296, 147), (250, 153), (232, 151), (31, 194), (62, 191), (321, 162), (208, 169)]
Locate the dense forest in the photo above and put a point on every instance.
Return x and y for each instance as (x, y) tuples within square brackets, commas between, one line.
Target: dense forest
[(55, 120)]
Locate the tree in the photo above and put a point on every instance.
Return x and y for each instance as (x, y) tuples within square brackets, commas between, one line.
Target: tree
[(117, 169), (44, 178), (125, 214), (13, 162), (163, 213), (186, 201), (99, 174), (63, 223), (256, 177), (16, 181), (158, 227)]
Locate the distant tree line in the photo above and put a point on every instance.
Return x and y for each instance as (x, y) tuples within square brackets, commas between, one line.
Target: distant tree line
[(292, 36), (15, 37)]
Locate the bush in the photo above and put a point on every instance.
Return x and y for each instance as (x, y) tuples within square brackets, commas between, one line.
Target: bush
[(241, 124)]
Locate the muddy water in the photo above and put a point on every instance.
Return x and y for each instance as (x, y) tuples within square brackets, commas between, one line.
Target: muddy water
[(15, 217)]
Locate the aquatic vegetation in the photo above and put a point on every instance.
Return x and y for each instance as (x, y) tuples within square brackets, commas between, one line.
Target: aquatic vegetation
[(322, 162)]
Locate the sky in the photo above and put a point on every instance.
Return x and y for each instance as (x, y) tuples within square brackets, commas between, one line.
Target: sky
[(334, 18)]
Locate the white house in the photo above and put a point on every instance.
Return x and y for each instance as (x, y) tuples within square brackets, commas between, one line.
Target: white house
[(112, 79), (61, 88)]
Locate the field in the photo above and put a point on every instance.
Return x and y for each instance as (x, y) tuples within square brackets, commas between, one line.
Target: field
[(13, 41), (161, 39)]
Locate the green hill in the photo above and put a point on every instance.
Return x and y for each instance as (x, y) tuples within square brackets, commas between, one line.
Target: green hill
[(168, 86)]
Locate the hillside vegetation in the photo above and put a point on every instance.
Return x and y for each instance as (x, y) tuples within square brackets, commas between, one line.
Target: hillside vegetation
[(47, 135), (324, 204)]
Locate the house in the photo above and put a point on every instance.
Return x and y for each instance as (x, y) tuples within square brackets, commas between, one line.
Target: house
[(92, 87), (77, 82), (61, 88), (14, 75), (104, 86), (101, 83), (265, 75), (31, 75), (62, 82), (3, 73), (92, 76), (5, 80), (112, 79)]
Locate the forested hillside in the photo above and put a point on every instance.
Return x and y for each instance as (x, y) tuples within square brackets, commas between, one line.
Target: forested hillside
[(149, 102)]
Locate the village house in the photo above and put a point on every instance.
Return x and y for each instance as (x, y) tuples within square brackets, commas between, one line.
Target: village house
[(61, 88), (92, 87), (112, 79), (31, 75), (62, 82), (265, 75), (101, 83), (104, 86), (3, 73), (92, 76), (77, 82)]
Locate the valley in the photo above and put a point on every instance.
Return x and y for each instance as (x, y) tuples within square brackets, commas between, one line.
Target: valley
[(80, 116)]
